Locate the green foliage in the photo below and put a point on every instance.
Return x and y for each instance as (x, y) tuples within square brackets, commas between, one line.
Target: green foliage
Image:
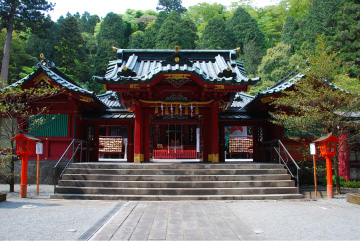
[(347, 37), (111, 34), (71, 50), (271, 22), (176, 31), (18, 58), (215, 36), (137, 40), (343, 182), (171, 5), (203, 13), (316, 107), (275, 65), (288, 33), (243, 28), (88, 22)]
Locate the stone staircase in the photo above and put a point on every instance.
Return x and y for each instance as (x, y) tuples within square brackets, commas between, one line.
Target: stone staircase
[(175, 181)]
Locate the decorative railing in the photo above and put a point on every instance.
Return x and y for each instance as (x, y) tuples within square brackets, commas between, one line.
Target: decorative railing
[(77, 146), (284, 157), (172, 154)]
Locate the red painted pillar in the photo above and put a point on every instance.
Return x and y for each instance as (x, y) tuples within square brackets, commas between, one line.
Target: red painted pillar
[(215, 132), (146, 135), (23, 183), (206, 134), (130, 146), (344, 164), (138, 155), (329, 186), (222, 143)]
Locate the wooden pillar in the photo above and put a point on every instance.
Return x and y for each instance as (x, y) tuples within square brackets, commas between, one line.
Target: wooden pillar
[(222, 143), (138, 147), (256, 147), (206, 135), (146, 136), (130, 146), (215, 132)]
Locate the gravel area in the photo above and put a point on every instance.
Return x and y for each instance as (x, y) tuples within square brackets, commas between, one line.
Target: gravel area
[(41, 218), (317, 219)]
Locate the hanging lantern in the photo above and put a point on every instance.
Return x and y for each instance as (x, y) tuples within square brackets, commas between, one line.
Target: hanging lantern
[(191, 110), (180, 107), (162, 109), (171, 109), (197, 110), (156, 109)]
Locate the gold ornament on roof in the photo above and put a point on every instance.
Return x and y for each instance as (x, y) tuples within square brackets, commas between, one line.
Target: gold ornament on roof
[(42, 56), (177, 48)]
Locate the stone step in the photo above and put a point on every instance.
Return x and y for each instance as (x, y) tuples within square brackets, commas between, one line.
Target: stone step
[(176, 177), (173, 166), (175, 191), (175, 172), (176, 198), (176, 184)]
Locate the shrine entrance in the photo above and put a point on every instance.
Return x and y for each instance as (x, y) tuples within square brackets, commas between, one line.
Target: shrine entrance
[(176, 137)]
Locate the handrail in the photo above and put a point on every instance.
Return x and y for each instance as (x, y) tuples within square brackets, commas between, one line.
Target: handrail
[(75, 151), (280, 148)]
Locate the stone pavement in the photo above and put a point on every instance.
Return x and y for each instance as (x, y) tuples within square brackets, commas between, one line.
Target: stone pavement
[(174, 221), (316, 219)]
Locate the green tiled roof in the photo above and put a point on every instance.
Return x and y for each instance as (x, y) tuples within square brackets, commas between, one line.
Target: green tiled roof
[(141, 66)]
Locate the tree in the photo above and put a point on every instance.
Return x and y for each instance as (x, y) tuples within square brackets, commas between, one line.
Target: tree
[(19, 15), (176, 31), (88, 22), (152, 30), (275, 65), (203, 13), (288, 32), (111, 34), (215, 36), (15, 110), (347, 37), (19, 59), (315, 107), (171, 5), (243, 29), (71, 50), (137, 40)]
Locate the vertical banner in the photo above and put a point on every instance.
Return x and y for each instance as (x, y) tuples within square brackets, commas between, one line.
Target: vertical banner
[(197, 139)]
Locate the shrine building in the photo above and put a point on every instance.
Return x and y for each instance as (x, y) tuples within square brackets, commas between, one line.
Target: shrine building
[(159, 104)]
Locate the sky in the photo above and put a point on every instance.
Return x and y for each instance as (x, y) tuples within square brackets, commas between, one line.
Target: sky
[(102, 7)]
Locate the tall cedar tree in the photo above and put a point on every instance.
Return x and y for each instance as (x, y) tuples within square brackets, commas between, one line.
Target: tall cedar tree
[(71, 50), (214, 35), (19, 15), (152, 30), (111, 34), (320, 20), (347, 38), (243, 28), (171, 5), (316, 107), (288, 33), (176, 31), (137, 40)]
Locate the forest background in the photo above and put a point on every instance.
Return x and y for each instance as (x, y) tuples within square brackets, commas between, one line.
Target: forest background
[(272, 40)]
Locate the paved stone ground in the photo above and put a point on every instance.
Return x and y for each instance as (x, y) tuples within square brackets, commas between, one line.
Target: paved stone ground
[(40, 218), (321, 219)]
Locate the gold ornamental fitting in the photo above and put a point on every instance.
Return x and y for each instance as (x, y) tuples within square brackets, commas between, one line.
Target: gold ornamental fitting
[(177, 48), (42, 56)]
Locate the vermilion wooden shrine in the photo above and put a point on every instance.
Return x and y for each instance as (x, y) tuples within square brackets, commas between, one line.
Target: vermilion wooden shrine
[(159, 104)]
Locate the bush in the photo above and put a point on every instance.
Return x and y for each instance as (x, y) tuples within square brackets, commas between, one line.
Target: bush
[(343, 182)]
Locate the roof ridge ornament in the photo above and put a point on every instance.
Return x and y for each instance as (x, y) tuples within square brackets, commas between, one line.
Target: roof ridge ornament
[(44, 62), (177, 58)]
